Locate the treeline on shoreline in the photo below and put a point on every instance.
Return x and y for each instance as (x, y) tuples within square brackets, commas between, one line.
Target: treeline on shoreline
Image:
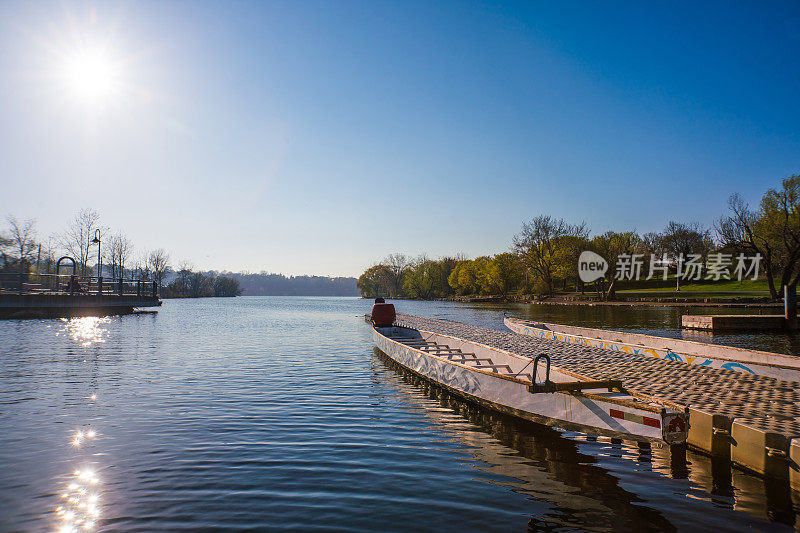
[(24, 253), (189, 284), (544, 254), (96, 249), (269, 284)]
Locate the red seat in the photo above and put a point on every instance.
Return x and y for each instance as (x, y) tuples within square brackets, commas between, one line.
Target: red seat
[(383, 315)]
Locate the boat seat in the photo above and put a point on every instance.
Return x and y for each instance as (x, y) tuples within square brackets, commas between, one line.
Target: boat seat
[(452, 355), (474, 360), (508, 368)]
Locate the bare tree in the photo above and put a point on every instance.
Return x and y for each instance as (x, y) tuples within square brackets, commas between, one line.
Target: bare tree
[(120, 249), (140, 269), (47, 257), (159, 263), (76, 240), (397, 265), (23, 238), (538, 244)]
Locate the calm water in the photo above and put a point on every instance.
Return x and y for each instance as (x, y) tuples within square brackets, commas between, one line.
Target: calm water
[(268, 413)]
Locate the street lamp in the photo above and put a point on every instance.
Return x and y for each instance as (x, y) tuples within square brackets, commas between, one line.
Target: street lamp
[(96, 241)]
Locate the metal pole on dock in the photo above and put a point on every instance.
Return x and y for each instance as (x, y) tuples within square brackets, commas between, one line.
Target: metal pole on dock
[(790, 307)]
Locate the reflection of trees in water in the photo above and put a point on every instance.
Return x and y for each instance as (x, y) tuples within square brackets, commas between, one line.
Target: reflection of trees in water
[(546, 467)]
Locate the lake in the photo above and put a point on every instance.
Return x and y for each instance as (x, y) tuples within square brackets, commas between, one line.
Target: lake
[(278, 413)]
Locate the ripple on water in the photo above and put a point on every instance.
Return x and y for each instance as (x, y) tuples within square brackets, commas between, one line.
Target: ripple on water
[(277, 412)]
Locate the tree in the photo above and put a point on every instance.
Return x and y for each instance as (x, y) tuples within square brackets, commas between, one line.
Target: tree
[(158, 261), (377, 280), (462, 278), (503, 273), (680, 240), (225, 286), (419, 281), (567, 249), (76, 240), (471, 277), (773, 231), (396, 266), (611, 245), (537, 245), (120, 249), (200, 285), (23, 239), (5, 244)]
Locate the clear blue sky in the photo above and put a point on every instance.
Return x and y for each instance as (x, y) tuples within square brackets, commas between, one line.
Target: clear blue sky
[(317, 137)]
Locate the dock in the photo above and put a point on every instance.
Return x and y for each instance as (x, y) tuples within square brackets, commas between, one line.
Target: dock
[(42, 296), (751, 421), (734, 322)]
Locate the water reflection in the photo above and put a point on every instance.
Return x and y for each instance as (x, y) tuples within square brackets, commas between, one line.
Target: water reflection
[(582, 475), (80, 435), (86, 330), (80, 505)]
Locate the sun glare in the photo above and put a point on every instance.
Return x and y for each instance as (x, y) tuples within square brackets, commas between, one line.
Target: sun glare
[(91, 76)]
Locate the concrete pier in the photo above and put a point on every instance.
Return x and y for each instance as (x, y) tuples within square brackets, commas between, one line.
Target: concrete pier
[(734, 322), (752, 421)]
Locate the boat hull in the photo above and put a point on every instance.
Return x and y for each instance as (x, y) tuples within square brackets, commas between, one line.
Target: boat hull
[(588, 413)]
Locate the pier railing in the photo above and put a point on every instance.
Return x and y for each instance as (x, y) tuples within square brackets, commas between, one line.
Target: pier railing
[(49, 284)]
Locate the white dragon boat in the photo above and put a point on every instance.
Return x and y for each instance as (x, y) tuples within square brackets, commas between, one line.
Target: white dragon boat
[(509, 383), (779, 366)]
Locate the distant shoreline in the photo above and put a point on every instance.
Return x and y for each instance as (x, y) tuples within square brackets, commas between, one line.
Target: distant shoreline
[(721, 302)]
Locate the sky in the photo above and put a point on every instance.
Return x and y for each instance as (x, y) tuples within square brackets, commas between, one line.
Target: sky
[(318, 137)]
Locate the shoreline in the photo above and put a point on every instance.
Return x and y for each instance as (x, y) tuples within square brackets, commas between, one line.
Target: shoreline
[(722, 303)]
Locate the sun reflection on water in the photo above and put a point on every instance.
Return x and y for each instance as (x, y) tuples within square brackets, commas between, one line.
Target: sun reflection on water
[(80, 506), (85, 330), (80, 435)]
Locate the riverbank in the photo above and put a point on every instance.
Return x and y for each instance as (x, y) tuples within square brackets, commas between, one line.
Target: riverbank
[(730, 302)]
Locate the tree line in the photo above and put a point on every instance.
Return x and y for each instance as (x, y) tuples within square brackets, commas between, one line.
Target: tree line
[(23, 252), (268, 284), (543, 258), (190, 284)]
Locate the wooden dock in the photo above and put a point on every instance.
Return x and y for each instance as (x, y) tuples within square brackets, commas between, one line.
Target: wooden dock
[(751, 421)]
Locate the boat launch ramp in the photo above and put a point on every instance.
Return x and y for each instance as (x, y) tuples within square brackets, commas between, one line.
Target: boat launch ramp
[(750, 420)]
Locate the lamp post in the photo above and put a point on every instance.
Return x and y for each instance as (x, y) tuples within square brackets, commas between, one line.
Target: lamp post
[(96, 241)]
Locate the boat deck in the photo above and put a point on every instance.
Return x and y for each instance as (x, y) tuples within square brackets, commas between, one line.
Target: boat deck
[(751, 420)]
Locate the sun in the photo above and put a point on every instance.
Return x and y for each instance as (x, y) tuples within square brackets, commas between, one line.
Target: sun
[(91, 75)]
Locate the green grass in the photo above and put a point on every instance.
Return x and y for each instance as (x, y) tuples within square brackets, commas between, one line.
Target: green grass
[(712, 288)]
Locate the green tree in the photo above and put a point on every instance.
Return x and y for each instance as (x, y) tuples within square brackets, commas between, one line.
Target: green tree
[(504, 274), (772, 231), (377, 280), (680, 240), (566, 251), (611, 245)]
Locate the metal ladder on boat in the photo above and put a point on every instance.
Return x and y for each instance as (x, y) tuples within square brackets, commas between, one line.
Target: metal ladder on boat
[(457, 356)]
